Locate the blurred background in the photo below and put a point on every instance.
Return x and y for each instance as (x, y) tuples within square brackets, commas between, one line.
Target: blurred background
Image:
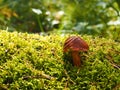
[(93, 17)]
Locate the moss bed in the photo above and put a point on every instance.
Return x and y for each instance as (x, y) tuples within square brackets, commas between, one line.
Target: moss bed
[(34, 62)]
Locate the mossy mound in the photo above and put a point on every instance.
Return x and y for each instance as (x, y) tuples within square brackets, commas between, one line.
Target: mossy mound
[(33, 62)]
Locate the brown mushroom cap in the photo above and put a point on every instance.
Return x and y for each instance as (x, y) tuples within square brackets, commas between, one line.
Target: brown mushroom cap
[(75, 43)]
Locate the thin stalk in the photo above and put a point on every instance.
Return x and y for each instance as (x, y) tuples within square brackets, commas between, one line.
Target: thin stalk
[(76, 58), (40, 24)]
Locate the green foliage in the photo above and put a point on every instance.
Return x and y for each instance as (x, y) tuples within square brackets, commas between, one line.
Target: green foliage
[(23, 18), (24, 55), (27, 20), (91, 17)]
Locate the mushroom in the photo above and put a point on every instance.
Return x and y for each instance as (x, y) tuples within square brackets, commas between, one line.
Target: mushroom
[(75, 44)]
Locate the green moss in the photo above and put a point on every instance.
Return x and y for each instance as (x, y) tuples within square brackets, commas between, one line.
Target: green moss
[(23, 55)]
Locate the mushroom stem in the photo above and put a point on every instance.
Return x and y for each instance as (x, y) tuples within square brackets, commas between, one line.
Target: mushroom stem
[(76, 58)]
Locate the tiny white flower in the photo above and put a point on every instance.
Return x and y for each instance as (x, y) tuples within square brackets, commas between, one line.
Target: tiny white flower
[(117, 22), (55, 22), (37, 11), (61, 13), (47, 13), (48, 19)]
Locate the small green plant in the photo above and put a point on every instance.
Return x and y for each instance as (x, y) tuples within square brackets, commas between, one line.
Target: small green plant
[(38, 12)]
